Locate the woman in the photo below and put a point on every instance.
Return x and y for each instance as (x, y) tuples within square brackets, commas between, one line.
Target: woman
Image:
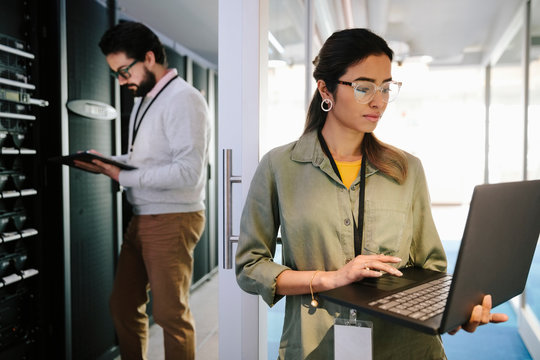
[(347, 205)]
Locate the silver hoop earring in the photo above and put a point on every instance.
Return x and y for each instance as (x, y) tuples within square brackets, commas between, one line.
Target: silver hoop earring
[(329, 103)]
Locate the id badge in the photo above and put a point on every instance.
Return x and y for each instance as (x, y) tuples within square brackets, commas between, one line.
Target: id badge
[(353, 339)]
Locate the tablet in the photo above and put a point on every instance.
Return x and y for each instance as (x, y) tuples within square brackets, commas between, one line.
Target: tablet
[(87, 156)]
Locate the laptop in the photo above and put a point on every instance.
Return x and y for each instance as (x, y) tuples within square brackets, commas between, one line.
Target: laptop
[(495, 255)]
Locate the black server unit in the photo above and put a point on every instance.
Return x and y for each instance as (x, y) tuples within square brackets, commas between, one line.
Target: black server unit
[(21, 283), (54, 284), (55, 280), (93, 202), (202, 254)]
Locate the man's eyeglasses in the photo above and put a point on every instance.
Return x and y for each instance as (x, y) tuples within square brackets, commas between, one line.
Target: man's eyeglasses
[(364, 91), (124, 72)]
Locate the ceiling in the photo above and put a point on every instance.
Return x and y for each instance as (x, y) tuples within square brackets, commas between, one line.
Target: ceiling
[(447, 32)]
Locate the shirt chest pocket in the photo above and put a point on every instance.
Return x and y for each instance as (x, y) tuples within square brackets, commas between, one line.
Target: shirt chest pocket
[(387, 227)]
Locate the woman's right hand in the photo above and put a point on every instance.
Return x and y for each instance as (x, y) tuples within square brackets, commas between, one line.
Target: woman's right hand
[(364, 266), (292, 282)]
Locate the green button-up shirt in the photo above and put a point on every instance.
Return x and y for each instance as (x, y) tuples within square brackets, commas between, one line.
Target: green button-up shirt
[(296, 191)]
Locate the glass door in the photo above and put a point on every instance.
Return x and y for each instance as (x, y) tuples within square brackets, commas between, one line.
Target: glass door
[(529, 307), (242, 63), (506, 118), (286, 109), (511, 155), (514, 139)]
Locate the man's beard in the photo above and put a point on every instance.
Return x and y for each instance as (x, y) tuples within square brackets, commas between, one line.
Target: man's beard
[(147, 84)]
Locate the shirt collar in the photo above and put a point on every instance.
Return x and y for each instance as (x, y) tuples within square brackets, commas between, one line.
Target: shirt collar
[(308, 149), (162, 82)]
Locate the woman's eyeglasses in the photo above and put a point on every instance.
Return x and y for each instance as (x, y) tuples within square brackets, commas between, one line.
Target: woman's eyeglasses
[(124, 72), (364, 91)]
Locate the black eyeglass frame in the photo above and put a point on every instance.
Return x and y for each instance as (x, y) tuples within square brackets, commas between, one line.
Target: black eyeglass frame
[(123, 72), (377, 88)]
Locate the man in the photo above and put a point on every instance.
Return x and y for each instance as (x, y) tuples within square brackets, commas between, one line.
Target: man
[(168, 144)]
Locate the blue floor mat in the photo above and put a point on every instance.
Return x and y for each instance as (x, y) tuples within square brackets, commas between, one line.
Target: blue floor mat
[(492, 341), (489, 342)]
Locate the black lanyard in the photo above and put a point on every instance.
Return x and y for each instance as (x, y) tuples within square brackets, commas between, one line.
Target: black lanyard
[(358, 229), (137, 125)]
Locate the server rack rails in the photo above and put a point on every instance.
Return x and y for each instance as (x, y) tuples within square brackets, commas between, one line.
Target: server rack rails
[(20, 324)]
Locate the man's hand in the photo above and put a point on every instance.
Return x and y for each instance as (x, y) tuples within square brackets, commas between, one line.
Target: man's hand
[(481, 315), (99, 167)]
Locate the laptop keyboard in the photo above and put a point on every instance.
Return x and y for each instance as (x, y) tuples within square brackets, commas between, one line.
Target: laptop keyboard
[(421, 302)]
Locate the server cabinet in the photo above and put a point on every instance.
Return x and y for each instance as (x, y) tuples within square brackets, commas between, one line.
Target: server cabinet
[(58, 227), (203, 251), (22, 320), (92, 207)]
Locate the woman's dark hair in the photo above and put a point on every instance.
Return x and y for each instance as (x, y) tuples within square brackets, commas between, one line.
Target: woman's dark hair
[(134, 39), (340, 51)]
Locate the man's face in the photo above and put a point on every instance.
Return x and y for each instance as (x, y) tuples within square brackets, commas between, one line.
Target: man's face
[(132, 74), (146, 84)]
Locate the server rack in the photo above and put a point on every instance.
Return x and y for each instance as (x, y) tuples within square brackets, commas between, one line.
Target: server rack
[(54, 283), (21, 318), (55, 279)]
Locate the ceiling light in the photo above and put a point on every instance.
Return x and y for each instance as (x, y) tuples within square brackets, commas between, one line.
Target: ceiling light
[(276, 63), (473, 49), (426, 59), (401, 50), (420, 59)]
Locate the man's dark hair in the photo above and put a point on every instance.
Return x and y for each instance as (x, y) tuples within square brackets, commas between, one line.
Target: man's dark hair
[(134, 39)]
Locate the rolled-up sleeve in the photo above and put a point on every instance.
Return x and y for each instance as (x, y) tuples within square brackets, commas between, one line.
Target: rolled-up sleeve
[(256, 271)]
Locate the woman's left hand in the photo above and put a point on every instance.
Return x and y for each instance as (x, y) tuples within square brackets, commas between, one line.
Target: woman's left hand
[(481, 315)]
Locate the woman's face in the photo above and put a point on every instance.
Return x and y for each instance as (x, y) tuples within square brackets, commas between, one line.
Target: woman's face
[(347, 113)]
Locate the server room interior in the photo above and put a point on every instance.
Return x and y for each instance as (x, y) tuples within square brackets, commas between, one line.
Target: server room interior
[(54, 293), (55, 288)]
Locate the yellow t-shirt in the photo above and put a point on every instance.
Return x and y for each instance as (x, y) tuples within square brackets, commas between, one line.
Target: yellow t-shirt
[(349, 171)]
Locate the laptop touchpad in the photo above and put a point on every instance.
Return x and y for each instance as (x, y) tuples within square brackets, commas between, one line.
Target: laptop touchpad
[(387, 282)]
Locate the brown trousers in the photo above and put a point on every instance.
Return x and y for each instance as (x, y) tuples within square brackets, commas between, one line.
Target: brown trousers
[(157, 254)]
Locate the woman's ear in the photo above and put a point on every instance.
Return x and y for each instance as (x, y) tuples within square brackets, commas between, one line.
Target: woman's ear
[(323, 90)]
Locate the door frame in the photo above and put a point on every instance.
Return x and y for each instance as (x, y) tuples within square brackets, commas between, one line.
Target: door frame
[(243, 35)]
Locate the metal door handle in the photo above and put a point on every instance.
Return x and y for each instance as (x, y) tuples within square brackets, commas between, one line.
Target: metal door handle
[(228, 180)]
